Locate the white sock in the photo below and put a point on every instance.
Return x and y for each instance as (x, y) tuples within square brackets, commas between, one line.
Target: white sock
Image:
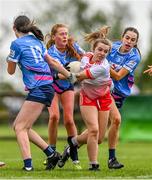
[(93, 162), (74, 141)]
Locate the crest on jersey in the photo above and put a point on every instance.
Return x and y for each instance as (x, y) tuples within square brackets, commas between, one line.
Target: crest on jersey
[(131, 63)]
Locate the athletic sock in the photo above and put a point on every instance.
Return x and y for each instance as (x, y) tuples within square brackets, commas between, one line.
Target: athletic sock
[(48, 151), (28, 162), (73, 150), (111, 153), (74, 141), (53, 146), (93, 162)]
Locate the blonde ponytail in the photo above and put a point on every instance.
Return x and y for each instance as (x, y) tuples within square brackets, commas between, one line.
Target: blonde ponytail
[(100, 34)]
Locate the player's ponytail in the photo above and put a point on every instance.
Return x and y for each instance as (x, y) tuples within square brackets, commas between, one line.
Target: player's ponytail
[(100, 34), (71, 52), (48, 41), (36, 31), (23, 24)]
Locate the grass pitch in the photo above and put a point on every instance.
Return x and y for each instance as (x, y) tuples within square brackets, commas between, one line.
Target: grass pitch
[(136, 156)]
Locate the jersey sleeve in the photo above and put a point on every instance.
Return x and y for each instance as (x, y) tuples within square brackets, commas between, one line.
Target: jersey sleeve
[(132, 62), (53, 55), (44, 50), (83, 63), (15, 53), (78, 48)]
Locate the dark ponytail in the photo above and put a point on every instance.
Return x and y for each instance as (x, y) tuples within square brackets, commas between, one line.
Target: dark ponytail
[(23, 24)]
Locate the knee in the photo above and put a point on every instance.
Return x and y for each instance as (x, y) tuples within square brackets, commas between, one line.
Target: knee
[(93, 132), (69, 123), (54, 118), (68, 117), (101, 138), (17, 128), (116, 121)]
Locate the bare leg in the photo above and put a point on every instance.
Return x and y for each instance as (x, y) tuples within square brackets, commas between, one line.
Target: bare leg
[(82, 138), (28, 114), (113, 135), (115, 120), (91, 121), (37, 140), (67, 100), (103, 123), (54, 116)]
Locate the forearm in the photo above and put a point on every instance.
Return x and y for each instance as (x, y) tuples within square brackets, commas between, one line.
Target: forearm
[(60, 76), (114, 75), (83, 75), (118, 75), (11, 67), (57, 66)]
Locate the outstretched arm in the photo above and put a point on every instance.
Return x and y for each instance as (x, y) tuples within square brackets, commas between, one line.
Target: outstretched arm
[(149, 70), (57, 66), (85, 74), (118, 75)]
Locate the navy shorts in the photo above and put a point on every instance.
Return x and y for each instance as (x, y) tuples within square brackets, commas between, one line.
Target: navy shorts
[(119, 99), (60, 90), (42, 94)]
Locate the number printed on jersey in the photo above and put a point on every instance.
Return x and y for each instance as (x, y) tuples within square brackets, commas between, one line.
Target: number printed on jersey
[(37, 53)]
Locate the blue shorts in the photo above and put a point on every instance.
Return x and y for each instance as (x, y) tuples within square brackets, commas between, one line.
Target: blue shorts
[(119, 98), (42, 94), (59, 90)]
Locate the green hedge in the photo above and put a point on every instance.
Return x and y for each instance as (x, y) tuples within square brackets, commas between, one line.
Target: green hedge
[(137, 119), (137, 108)]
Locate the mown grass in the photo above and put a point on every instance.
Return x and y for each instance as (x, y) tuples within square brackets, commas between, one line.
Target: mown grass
[(136, 156)]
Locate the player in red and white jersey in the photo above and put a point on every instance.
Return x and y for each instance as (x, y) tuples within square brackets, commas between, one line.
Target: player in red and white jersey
[(98, 73), (95, 98)]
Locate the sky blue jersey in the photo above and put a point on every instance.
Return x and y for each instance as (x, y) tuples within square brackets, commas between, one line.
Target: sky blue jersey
[(30, 53), (128, 61), (63, 58)]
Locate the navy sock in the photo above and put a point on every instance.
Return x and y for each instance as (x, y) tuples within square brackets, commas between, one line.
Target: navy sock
[(48, 151), (73, 149), (111, 153), (53, 147), (28, 162), (70, 142)]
